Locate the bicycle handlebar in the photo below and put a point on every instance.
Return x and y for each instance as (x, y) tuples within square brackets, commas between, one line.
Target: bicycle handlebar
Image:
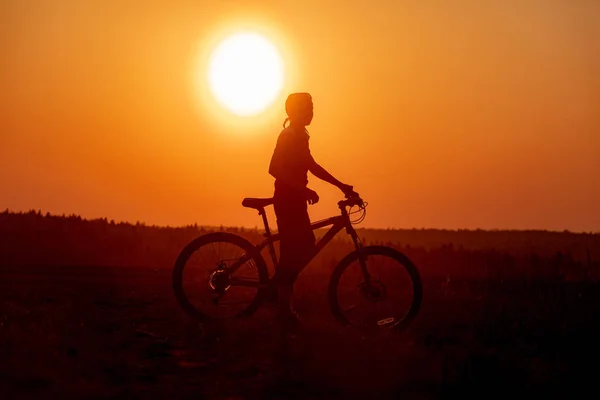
[(351, 201)]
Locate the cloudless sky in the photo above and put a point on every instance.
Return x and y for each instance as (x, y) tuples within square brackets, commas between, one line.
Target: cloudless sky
[(442, 114)]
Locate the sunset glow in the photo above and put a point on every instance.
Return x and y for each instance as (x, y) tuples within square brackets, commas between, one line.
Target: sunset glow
[(245, 73), (332, 199), (440, 117)]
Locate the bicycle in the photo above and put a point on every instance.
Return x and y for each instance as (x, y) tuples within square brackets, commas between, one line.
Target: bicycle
[(245, 272)]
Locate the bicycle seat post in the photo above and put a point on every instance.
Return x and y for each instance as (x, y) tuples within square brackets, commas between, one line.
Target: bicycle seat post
[(263, 214)]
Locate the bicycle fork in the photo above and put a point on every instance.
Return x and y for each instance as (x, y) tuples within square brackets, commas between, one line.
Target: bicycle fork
[(362, 257)]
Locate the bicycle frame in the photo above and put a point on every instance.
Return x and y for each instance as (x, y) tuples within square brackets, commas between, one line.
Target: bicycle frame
[(337, 224)]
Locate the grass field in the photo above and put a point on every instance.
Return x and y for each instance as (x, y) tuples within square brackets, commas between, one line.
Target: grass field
[(101, 332), (492, 324)]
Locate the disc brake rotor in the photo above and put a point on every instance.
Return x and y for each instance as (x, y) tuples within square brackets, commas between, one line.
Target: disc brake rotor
[(374, 291), (220, 281)]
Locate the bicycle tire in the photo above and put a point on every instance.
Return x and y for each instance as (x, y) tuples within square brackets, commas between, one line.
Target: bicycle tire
[(385, 251), (213, 237)]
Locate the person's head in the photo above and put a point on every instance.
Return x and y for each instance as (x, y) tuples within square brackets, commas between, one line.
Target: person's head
[(299, 108)]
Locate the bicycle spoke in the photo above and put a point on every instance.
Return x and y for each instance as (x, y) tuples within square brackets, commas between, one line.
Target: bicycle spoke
[(211, 288), (381, 301), (226, 255), (203, 263), (215, 251), (244, 282)]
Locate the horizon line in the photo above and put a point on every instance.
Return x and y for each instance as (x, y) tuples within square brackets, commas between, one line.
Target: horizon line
[(256, 227)]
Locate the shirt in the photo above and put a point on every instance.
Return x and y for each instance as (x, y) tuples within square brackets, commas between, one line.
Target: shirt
[(291, 159)]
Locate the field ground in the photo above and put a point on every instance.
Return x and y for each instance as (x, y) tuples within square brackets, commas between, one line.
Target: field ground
[(108, 332)]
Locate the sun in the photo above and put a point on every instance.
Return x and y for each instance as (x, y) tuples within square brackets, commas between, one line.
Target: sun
[(245, 73)]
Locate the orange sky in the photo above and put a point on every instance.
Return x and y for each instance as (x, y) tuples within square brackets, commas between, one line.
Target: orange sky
[(480, 116)]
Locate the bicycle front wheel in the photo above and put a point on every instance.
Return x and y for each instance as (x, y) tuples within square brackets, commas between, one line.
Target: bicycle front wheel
[(384, 290), (206, 284)]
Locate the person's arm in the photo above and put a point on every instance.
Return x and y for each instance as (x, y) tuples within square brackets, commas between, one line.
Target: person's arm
[(322, 174)]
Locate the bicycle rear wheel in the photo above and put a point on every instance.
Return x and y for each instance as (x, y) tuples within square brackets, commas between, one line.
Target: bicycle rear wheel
[(388, 297), (204, 285)]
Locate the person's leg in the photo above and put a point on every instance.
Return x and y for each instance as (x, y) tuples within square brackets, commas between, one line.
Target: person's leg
[(297, 240), (296, 249)]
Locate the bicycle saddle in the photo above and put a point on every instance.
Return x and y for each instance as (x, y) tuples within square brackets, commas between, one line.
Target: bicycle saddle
[(256, 203)]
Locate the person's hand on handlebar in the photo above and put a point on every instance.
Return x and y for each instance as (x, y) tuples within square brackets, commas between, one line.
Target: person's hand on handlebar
[(348, 190)]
